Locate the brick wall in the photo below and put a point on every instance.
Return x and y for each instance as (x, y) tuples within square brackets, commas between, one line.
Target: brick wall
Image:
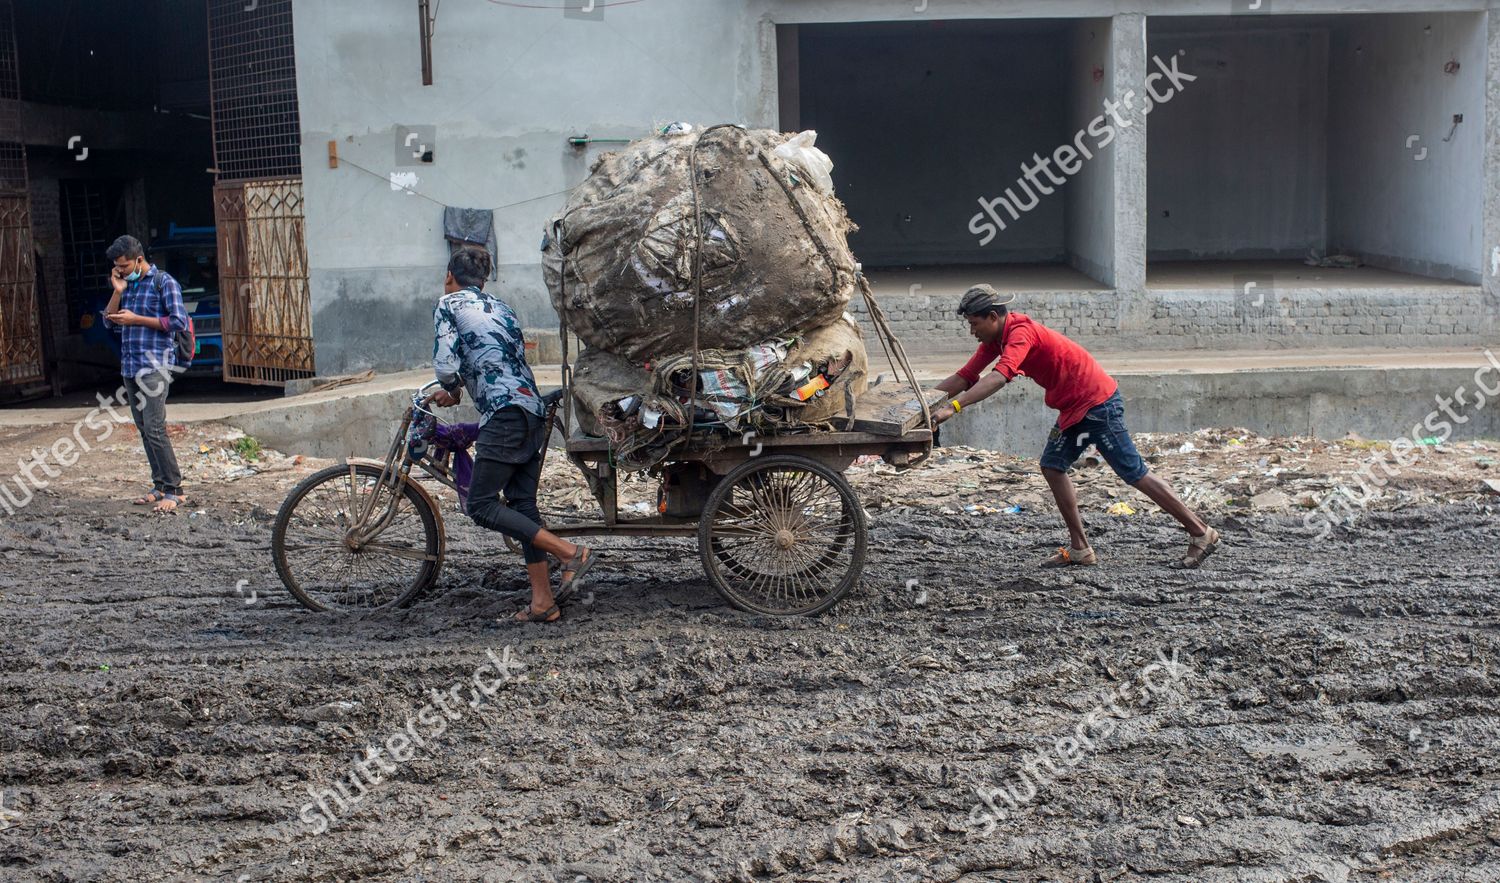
[(1436, 317), (929, 321)]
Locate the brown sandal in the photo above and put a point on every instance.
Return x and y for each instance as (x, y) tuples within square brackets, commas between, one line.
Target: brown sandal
[(526, 614), (1200, 548), (1067, 557), (579, 565)]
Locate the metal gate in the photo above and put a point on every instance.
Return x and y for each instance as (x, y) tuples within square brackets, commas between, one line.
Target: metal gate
[(263, 281), (263, 287), (22, 360)]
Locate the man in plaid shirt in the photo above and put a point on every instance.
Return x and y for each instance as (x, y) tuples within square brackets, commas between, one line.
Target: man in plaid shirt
[(147, 309)]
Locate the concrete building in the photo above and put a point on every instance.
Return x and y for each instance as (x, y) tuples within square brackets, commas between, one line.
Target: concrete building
[(1197, 152), (1351, 130)]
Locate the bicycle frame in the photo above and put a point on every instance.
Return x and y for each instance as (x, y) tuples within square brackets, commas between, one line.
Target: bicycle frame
[(396, 472), (397, 466)]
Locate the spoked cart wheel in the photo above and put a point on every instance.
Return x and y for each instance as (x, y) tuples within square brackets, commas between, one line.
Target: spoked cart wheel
[(783, 535), (327, 565)]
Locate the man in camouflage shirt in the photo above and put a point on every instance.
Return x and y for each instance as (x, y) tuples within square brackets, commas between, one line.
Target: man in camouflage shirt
[(479, 345)]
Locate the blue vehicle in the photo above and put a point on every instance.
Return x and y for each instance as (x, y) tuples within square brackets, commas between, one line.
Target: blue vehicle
[(191, 256)]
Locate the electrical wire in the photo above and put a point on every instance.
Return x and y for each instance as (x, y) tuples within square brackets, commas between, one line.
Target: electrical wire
[(377, 175), (598, 4)]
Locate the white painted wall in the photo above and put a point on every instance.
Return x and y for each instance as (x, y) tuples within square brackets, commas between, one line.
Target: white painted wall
[(1388, 84), (1295, 137), (510, 86)]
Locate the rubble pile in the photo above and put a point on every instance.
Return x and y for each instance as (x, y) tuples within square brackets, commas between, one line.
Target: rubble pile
[(1220, 471), (1217, 471)]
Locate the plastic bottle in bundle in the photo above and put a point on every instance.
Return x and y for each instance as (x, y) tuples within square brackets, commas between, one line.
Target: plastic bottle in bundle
[(813, 387)]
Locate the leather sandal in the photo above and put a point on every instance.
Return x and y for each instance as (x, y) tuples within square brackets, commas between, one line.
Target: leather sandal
[(526, 614), (1067, 557), (579, 565), (1200, 548)]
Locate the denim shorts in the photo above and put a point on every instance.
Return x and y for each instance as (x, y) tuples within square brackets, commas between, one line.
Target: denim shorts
[(1104, 428)]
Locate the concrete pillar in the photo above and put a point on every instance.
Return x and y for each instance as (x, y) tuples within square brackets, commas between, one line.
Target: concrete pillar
[(1490, 263), (1128, 72)]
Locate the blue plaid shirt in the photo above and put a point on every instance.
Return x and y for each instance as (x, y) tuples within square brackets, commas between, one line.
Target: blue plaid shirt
[(479, 341), (147, 348)]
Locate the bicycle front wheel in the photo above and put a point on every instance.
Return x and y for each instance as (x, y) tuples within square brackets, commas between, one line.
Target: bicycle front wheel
[(326, 567)]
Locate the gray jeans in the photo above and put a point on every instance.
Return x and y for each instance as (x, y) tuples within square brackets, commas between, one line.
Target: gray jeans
[(148, 405)]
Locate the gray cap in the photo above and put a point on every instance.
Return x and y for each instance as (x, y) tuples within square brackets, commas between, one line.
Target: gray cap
[(982, 299)]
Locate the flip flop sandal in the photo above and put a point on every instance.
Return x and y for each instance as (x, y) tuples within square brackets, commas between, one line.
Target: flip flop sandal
[(551, 614), (580, 565), (168, 505), (1067, 557), (154, 497), (1200, 548)]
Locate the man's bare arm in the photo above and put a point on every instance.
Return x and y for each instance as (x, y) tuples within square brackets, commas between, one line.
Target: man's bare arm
[(987, 386), (954, 385)]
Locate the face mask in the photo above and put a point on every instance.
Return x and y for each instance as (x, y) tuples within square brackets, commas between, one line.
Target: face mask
[(133, 276)]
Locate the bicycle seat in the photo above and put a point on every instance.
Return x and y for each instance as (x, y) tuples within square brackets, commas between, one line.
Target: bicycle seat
[(552, 398)]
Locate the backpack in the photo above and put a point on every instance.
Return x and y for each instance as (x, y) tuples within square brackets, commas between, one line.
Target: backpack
[(185, 342)]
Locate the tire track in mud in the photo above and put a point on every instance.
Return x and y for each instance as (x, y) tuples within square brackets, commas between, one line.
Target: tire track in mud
[(660, 736)]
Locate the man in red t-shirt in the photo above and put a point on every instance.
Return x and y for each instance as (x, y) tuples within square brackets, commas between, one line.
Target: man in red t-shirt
[(1090, 412)]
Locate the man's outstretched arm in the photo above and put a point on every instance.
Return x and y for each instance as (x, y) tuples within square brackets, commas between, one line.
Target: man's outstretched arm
[(973, 395), (1017, 345), (446, 362), (955, 384), (966, 379)]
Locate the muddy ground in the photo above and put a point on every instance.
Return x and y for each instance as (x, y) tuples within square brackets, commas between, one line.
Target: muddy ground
[(1328, 710)]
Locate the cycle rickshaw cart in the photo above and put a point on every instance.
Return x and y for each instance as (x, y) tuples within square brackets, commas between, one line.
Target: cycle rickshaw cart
[(779, 529)]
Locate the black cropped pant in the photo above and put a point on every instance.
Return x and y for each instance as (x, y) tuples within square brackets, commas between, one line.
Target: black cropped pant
[(508, 462)]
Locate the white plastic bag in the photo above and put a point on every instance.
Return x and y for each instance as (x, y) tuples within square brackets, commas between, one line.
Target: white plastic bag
[(799, 149)]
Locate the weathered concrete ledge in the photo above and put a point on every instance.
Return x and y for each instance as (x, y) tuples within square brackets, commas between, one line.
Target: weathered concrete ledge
[(1376, 403)]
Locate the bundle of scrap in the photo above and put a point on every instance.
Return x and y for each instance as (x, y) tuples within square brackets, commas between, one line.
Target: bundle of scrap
[(724, 250)]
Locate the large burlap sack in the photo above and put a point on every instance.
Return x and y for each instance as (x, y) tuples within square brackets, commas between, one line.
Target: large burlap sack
[(601, 380), (621, 259)]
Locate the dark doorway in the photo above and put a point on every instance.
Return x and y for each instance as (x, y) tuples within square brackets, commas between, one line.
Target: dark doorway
[(114, 115), (925, 121), (92, 210)]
